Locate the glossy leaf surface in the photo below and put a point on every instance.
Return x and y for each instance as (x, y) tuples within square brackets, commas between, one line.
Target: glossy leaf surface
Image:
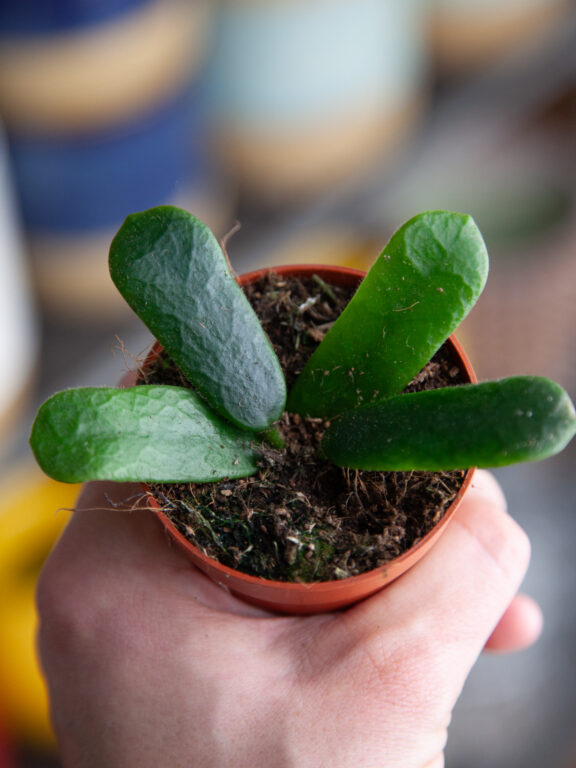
[(419, 290), (145, 433), (172, 272), (484, 425)]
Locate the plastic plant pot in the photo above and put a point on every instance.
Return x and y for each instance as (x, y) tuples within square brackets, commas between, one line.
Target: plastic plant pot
[(316, 597)]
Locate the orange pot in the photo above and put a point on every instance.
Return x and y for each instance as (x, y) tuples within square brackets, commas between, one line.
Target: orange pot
[(317, 597)]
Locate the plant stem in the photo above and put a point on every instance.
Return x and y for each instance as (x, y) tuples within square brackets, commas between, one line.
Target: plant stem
[(273, 437), (325, 287)]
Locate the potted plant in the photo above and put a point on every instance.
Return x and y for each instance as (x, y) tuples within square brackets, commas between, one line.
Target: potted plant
[(211, 422)]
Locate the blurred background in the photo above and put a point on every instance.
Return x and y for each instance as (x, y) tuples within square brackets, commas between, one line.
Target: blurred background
[(319, 126)]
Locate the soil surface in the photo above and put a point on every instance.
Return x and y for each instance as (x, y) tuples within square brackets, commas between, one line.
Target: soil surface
[(301, 518)]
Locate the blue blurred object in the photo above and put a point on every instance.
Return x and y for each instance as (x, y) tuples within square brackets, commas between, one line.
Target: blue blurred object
[(74, 184), (27, 17), (281, 65), (305, 96)]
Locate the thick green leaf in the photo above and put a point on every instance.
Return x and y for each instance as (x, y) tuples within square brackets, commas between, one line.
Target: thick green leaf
[(419, 290), (145, 433), (484, 425), (171, 270)]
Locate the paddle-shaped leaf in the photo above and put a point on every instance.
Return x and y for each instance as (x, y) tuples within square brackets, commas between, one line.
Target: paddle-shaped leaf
[(172, 272), (484, 425), (145, 433), (419, 290)]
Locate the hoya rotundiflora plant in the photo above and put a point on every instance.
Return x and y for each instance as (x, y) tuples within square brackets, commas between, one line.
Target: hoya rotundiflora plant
[(173, 273)]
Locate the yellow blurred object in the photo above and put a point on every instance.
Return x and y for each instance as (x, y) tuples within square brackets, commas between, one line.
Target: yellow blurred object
[(33, 512)]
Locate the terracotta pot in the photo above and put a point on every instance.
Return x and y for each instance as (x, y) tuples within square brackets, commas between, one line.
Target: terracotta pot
[(318, 597)]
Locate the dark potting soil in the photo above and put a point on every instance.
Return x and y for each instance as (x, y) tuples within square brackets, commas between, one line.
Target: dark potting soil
[(301, 518)]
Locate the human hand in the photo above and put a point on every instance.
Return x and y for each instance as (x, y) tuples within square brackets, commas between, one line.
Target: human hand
[(149, 663)]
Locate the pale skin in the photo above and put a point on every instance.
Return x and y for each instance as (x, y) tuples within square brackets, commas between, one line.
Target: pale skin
[(150, 664)]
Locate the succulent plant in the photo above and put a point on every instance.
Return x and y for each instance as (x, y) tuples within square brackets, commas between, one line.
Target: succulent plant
[(173, 273)]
